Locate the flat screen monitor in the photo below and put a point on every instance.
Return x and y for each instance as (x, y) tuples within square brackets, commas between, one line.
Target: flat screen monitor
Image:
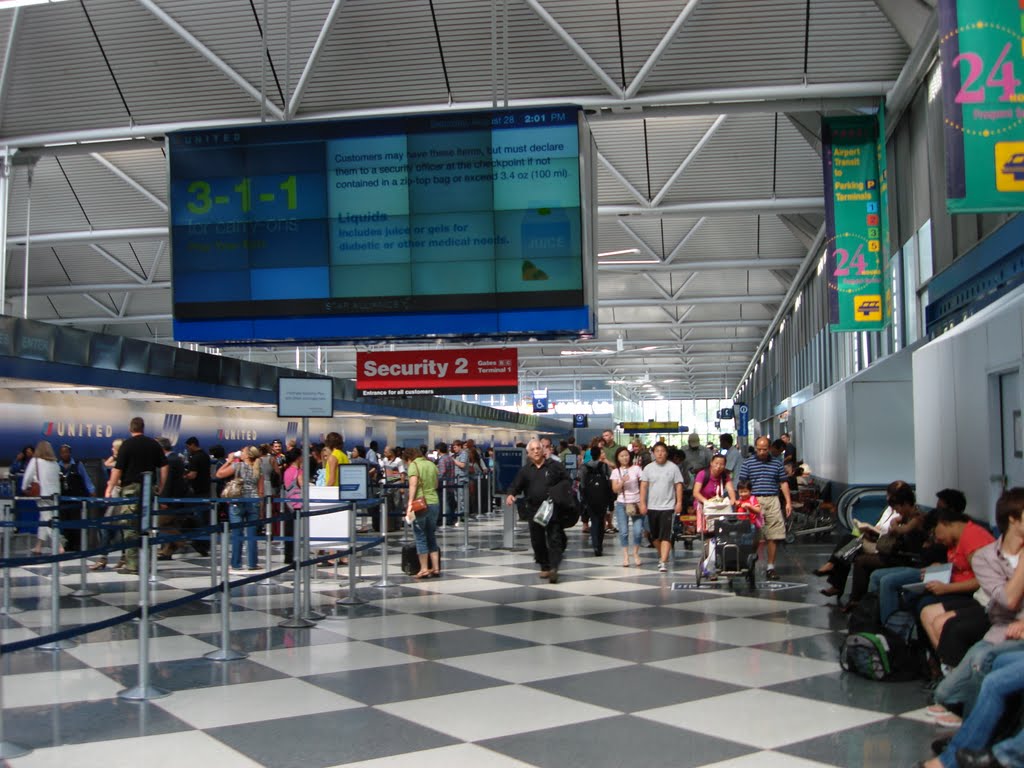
[(438, 225)]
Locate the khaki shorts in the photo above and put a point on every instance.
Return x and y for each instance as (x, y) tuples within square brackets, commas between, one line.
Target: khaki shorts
[(774, 523)]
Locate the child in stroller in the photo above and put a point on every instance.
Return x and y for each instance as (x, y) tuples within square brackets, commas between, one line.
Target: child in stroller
[(731, 546)]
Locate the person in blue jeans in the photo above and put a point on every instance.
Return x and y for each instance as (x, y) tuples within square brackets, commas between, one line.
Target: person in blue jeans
[(423, 485), (999, 686), (244, 464)]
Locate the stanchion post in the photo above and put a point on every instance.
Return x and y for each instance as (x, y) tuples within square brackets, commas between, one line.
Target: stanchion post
[(55, 538), (83, 576), (352, 598), (7, 609), (143, 691), (214, 541), (307, 580), (464, 490), (268, 531), (384, 583), (8, 750), (296, 621), (225, 652), (443, 490)]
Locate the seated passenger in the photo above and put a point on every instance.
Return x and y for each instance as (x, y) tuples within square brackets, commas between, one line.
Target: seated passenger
[(945, 602)]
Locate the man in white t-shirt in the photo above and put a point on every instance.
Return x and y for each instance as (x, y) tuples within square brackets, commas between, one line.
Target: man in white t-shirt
[(661, 499)]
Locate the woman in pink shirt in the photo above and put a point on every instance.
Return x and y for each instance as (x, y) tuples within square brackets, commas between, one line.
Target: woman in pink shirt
[(626, 485)]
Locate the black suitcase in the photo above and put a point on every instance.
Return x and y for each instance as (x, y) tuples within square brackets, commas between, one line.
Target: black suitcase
[(411, 560)]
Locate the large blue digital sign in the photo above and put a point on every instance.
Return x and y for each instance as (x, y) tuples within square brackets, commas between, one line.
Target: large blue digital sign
[(455, 224)]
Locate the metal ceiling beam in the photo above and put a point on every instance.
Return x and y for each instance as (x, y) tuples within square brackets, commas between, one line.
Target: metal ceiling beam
[(108, 256), (918, 64), (133, 183), (32, 155), (756, 99), (67, 290), (652, 61), (626, 183), (686, 238), (210, 56), (90, 236), (690, 157), (907, 17), (662, 326), (576, 48), (314, 57), (701, 266), (109, 320), (8, 63), (762, 205), (687, 301), (808, 126)]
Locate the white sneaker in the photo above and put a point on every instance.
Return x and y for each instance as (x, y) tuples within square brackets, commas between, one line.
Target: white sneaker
[(662, 568)]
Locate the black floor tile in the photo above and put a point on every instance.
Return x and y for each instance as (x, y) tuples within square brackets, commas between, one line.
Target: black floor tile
[(448, 645), (195, 673), (87, 721), (401, 682), (893, 742), (644, 647), (852, 691)]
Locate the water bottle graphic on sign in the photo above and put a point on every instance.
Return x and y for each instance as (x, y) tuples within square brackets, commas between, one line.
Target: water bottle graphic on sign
[(546, 234)]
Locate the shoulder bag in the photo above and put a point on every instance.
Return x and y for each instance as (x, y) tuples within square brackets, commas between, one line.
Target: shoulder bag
[(419, 504)]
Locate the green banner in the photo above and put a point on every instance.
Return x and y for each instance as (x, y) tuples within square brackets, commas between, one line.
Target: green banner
[(982, 48), (853, 152)]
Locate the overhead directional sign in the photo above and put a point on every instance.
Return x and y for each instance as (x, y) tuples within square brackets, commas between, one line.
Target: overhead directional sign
[(634, 427), (437, 371)]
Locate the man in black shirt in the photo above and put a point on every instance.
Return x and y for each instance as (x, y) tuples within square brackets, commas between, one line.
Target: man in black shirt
[(535, 480), (137, 455), (197, 469)]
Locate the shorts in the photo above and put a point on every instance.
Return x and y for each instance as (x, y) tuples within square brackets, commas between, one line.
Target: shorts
[(774, 528), (661, 523)]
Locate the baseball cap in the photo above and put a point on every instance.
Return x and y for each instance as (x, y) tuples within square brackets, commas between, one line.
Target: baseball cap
[(693, 439)]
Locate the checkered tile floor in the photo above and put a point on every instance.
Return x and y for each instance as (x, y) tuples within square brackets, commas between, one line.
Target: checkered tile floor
[(487, 666)]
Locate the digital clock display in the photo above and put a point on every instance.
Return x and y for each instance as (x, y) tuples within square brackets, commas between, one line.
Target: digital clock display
[(433, 225)]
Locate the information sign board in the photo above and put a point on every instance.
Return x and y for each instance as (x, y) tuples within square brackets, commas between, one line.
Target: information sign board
[(437, 371), (299, 397)]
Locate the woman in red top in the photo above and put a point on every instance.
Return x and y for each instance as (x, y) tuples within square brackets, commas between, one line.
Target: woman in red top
[(962, 537)]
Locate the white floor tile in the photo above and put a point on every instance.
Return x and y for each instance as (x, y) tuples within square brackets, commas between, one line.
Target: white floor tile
[(118, 653), (170, 750), (38, 688), (210, 622), (538, 663), (749, 666), (768, 760), (742, 631), (592, 586), (40, 619), (580, 606), (739, 606), (767, 719), (565, 629), (458, 586), (389, 625), (335, 657), (472, 715), (431, 601), (252, 702)]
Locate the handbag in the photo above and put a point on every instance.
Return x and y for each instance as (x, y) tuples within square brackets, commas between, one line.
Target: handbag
[(32, 490), (888, 544), (418, 506), (544, 512), (717, 505), (233, 489), (632, 510), (849, 550)]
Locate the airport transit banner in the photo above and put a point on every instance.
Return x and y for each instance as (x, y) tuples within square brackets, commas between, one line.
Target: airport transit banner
[(437, 372), (982, 49), (853, 157)]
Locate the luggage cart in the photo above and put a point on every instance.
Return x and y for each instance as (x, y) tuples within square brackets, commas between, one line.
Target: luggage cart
[(732, 542)]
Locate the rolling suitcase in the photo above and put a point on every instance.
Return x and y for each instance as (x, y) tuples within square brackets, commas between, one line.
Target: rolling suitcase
[(411, 561)]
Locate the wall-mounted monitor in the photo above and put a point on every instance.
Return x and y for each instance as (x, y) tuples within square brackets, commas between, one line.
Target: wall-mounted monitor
[(437, 225)]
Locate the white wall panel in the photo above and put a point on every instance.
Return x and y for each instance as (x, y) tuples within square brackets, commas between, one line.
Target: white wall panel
[(881, 442)]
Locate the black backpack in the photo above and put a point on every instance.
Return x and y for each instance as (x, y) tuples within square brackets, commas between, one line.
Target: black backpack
[(878, 656), (597, 487), (866, 616)]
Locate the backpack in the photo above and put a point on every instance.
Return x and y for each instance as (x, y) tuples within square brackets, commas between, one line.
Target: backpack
[(597, 487), (879, 656), (71, 482)]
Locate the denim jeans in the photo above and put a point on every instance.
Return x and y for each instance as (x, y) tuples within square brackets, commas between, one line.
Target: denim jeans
[(623, 523), (451, 506), (957, 687), (887, 583), (239, 513), (424, 528), (1005, 679), (1010, 751)]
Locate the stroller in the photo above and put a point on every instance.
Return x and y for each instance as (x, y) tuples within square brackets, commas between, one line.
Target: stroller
[(731, 546)]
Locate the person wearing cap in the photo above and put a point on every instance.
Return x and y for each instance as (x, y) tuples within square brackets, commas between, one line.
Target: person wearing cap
[(695, 458)]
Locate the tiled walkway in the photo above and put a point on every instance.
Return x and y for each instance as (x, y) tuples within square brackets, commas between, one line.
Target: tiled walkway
[(487, 666)]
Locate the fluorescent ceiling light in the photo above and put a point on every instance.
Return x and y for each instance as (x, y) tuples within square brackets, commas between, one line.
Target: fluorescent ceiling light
[(638, 261), (4, 4), (625, 252)]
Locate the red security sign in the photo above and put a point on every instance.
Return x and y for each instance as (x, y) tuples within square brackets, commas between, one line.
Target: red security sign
[(437, 372)]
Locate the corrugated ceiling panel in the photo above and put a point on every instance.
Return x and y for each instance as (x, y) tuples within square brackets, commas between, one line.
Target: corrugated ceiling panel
[(611, 237), (77, 306), (621, 285), (229, 29), (723, 282), (670, 141), (154, 331), (676, 228), (54, 208), (611, 191), (763, 281), (163, 78), (651, 314), (378, 54), (733, 43), (643, 25), (852, 40), (108, 201), (622, 144), (734, 311), (592, 23), (146, 166), (6, 18), (776, 241), (85, 266), (798, 171), (43, 269), (648, 229), (539, 63), (735, 164), (58, 79), (722, 237)]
